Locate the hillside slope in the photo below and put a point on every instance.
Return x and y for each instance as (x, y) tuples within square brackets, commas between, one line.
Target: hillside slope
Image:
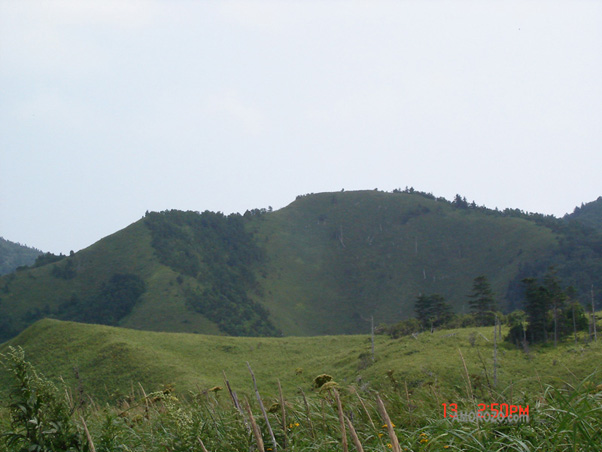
[(589, 214), (73, 283), (111, 361), (322, 265), (335, 259), (13, 255)]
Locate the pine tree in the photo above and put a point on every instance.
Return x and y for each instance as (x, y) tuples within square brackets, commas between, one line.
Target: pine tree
[(432, 310), (423, 310), (537, 304), (482, 302)]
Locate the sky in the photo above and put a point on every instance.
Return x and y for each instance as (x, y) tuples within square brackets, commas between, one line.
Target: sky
[(112, 108)]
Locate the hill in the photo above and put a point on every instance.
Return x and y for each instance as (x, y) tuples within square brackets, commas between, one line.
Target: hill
[(110, 361), (13, 255), (322, 265), (589, 214)]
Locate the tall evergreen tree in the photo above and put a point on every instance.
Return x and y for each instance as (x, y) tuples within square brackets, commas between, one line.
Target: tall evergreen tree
[(432, 310), (482, 302), (537, 304)]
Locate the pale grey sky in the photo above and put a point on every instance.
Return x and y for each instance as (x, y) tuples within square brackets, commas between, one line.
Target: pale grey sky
[(111, 108)]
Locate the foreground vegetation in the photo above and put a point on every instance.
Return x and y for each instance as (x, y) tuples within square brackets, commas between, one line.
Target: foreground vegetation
[(41, 416)]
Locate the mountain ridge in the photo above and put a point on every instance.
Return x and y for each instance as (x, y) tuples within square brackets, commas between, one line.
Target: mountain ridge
[(330, 262)]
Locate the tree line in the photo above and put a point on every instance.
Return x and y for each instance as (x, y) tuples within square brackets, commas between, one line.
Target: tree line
[(550, 312)]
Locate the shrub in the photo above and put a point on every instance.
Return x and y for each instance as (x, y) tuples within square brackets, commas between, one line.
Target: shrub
[(40, 417)]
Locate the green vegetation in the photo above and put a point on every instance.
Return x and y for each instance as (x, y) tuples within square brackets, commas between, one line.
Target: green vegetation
[(124, 357), (414, 376), (482, 303), (589, 214), (335, 259), (31, 294), (221, 255), (40, 414), (432, 311), (322, 265), (548, 310), (116, 299), (14, 255)]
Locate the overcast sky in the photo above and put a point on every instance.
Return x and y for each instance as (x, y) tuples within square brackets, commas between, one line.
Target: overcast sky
[(111, 108)]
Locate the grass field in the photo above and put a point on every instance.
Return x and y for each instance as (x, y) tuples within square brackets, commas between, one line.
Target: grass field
[(146, 391), (110, 360)]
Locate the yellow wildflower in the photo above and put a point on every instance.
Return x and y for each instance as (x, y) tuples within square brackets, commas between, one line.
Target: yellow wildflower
[(390, 446), (380, 435)]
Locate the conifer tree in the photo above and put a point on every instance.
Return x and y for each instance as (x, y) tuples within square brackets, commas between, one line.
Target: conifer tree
[(482, 302), (432, 310), (537, 304)]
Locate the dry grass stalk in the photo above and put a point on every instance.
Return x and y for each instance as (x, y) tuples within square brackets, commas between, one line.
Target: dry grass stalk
[(232, 393), (283, 408), (235, 402), (203, 448), (88, 437), (256, 432), (354, 437), (145, 398), (405, 384), (341, 420), (365, 409), (468, 385), (311, 425), (265, 414), (387, 421)]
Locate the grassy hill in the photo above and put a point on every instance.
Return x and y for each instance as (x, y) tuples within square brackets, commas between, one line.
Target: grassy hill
[(111, 361), (338, 258), (322, 265), (39, 292)]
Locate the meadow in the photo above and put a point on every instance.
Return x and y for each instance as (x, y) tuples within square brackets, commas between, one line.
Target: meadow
[(133, 391)]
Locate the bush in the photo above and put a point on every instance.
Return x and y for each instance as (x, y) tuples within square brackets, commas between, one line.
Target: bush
[(40, 417)]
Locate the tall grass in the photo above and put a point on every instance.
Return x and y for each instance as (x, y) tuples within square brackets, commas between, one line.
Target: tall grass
[(563, 417)]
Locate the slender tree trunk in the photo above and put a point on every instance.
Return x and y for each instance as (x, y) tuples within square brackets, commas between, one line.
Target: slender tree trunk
[(525, 347), (574, 324), (555, 325), (594, 316), (495, 353), (372, 335)]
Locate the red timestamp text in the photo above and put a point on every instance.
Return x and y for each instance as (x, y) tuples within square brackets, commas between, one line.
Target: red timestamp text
[(489, 410)]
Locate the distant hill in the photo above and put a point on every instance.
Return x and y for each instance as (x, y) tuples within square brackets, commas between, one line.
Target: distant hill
[(322, 265), (589, 214), (13, 255)]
